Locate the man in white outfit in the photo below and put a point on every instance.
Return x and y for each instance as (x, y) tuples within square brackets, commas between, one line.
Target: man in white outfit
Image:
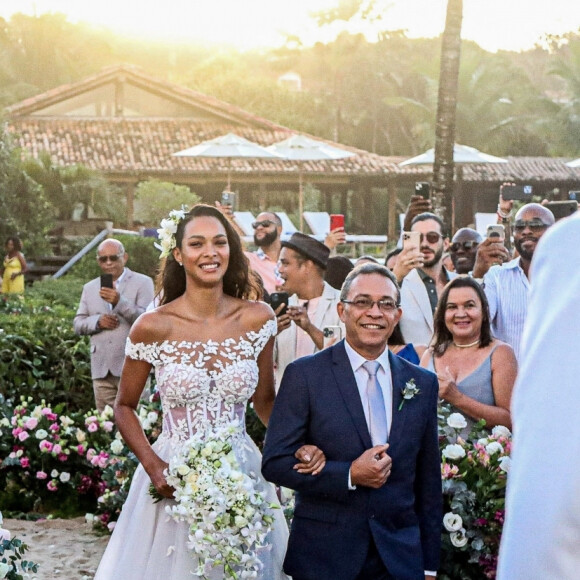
[(541, 537)]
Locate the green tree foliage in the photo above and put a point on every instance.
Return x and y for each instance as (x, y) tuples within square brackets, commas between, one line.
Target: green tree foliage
[(155, 199)]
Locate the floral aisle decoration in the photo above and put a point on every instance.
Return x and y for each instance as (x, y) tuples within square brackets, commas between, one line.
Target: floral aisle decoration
[(226, 511), (474, 471)]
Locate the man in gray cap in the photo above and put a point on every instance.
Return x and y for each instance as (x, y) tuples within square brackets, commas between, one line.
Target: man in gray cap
[(312, 304)]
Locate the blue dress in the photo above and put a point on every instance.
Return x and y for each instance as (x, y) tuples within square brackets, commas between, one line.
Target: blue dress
[(409, 353)]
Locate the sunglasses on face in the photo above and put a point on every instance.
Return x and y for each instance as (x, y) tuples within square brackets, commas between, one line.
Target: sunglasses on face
[(469, 245), (263, 223), (431, 237), (113, 258), (536, 226)]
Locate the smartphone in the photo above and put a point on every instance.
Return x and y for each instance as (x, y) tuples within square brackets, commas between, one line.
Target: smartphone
[(496, 231), (423, 188), (228, 198), (277, 298), (106, 280), (562, 209), (518, 192), (332, 334), (411, 240), (575, 195), (336, 221)]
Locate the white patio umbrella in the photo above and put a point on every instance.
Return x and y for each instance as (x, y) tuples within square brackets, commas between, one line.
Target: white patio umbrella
[(300, 148), (461, 154), (230, 146), (573, 164)]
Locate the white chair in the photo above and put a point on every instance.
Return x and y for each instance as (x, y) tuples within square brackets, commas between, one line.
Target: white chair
[(244, 220), (318, 222), (288, 228)]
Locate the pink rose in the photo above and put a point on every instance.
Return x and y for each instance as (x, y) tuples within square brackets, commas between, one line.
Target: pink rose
[(62, 457), (56, 449), (92, 427), (23, 436), (24, 462), (90, 454), (108, 426), (51, 485), (80, 449), (54, 427), (17, 431), (31, 423), (41, 475), (45, 446)]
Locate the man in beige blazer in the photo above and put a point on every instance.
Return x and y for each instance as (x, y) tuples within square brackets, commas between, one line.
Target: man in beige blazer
[(106, 315), (312, 304)]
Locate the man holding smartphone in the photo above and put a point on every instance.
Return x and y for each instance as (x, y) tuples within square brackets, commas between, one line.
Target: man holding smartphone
[(109, 305)]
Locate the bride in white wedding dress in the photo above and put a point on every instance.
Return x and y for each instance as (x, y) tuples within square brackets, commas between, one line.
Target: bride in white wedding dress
[(211, 349)]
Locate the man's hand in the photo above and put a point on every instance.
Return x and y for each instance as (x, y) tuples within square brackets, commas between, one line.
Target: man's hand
[(283, 320), (312, 460), (417, 205), (489, 253), (227, 210), (372, 468), (407, 260), (334, 238), (110, 295), (108, 322), (299, 315)]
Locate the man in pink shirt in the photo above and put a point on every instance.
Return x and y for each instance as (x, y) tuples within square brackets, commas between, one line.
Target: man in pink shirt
[(264, 261)]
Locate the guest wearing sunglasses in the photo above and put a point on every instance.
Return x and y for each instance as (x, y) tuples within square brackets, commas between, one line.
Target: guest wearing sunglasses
[(109, 305), (264, 261), (463, 249), (426, 278), (507, 286)]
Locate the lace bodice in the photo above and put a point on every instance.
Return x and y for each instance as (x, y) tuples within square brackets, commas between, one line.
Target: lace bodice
[(204, 384)]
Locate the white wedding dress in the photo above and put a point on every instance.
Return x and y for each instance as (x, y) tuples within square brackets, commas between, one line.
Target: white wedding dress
[(202, 385)]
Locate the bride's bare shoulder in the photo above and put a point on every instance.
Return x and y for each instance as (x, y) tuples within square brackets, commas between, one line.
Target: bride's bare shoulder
[(152, 326)]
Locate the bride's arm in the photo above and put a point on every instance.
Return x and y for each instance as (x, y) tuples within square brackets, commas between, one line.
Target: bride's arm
[(264, 394)]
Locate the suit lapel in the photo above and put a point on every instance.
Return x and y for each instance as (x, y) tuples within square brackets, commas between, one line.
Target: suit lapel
[(399, 378), (346, 383), (420, 293), (323, 306)]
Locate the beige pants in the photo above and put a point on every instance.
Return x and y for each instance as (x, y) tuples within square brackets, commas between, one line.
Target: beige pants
[(105, 390)]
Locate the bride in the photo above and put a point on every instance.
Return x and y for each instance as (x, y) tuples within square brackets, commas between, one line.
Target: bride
[(211, 349)]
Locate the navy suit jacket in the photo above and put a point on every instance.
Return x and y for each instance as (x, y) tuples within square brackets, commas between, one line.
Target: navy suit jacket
[(319, 404)]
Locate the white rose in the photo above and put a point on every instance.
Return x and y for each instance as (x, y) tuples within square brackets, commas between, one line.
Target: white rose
[(41, 434), (81, 436), (505, 464), (183, 470), (4, 569), (494, 447), (54, 473), (152, 416), (501, 431), (64, 477), (457, 421), (453, 451), (240, 521), (452, 522), (116, 446), (458, 539), (483, 441)]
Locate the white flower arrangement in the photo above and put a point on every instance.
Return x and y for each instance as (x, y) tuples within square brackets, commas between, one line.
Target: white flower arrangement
[(166, 233), (409, 391), (227, 514)]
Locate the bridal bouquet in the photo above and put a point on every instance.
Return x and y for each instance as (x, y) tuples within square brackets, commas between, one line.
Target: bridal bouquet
[(228, 516)]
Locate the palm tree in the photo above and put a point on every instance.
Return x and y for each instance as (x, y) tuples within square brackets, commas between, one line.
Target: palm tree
[(443, 167)]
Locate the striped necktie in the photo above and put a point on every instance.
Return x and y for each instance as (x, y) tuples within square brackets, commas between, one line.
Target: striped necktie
[(377, 415)]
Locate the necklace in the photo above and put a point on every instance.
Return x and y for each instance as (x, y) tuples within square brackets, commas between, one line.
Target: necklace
[(466, 345)]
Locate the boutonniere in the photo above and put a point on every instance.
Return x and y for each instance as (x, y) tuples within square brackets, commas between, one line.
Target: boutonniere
[(409, 391)]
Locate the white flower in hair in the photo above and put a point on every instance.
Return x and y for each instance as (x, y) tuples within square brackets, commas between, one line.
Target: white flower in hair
[(166, 233)]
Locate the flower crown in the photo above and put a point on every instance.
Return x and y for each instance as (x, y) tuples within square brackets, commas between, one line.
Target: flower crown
[(166, 233)]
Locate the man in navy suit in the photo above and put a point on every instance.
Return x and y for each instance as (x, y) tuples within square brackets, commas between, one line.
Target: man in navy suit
[(374, 510)]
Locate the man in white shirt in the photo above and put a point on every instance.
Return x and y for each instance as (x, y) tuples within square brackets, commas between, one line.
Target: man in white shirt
[(541, 535), (507, 286), (312, 304), (374, 510)]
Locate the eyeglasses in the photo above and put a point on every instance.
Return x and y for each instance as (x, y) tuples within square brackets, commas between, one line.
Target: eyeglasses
[(113, 258), (431, 237), (263, 223), (455, 246), (367, 304), (535, 225)]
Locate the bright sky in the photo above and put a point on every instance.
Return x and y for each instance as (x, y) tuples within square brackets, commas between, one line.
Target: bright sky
[(493, 24)]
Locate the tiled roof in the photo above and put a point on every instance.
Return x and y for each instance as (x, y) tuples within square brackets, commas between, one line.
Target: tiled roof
[(147, 145)]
